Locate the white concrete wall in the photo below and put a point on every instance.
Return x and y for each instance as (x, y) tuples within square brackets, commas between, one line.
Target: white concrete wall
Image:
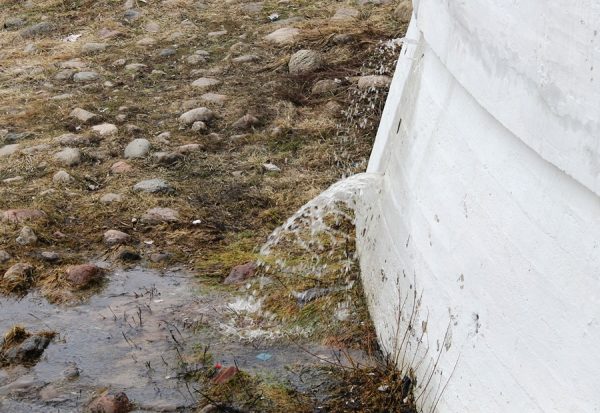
[(485, 235)]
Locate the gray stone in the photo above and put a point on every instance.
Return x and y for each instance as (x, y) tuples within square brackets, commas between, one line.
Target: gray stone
[(325, 86), (135, 67), (8, 150), (160, 215), (110, 198), (249, 58), (214, 98), (346, 13), (14, 23), (198, 126), (105, 129), (20, 272), (152, 186), (65, 74), (91, 48), (83, 115), (14, 137), (195, 115), (195, 59), (374, 82), (68, 156), (205, 83), (167, 158), (132, 15), (114, 237), (62, 177), (28, 350), (169, 51), (39, 29), (305, 61), (26, 236), (50, 256), (245, 122), (138, 148), (284, 36), (4, 256), (84, 77)]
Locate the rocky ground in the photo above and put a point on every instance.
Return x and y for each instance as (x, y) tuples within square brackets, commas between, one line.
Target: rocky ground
[(177, 133)]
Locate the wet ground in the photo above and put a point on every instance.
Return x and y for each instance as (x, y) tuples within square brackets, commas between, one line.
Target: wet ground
[(138, 335)]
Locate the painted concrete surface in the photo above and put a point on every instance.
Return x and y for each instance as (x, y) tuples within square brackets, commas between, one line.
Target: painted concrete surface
[(481, 250)]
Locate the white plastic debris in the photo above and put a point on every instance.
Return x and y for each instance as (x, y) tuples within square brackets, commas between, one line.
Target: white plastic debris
[(273, 17), (72, 38)]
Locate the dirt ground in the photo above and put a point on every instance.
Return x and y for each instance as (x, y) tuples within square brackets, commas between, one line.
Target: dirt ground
[(270, 128)]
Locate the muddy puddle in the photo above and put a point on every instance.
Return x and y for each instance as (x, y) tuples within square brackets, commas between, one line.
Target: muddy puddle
[(137, 335)]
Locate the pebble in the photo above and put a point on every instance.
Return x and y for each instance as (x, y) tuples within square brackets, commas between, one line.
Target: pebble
[(189, 148), (120, 167), (14, 137), (152, 186), (270, 167), (20, 272), (205, 83), (68, 156), (114, 237), (26, 236), (241, 273), (374, 82), (72, 64), (90, 48), (346, 13), (304, 62), (84, 77), (325, 86), (4, 256), (167, 52), (245, 122), (110, 198), (105, 129), (135, 67), (83, 115), (217, 33), (195, 115), (198, 126), (118, 403), (160, 215), (215, 98), (138, 148), (167, 158), (30, 349), (81, 276), (63, 75), (8, 150), (131, 15), (146, 41), (159, 257), (20, 215), (50, 256), (62, 177), (249, 58), (283, 36), (14, 23), (37, 30), (195, 59)]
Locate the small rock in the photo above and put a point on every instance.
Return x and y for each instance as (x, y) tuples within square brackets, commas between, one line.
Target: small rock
[(245, 122), (37, 30), (342, 38), (189, 148), (72, 64), (152, 27), (241, 273), (249, 58), (20, 215), (13, 23), (84, 77), (205, 83), (30, 349), (169, 51), (71, 372), (81, 276), (198, 126), (105, 129), (26, 236), (120, 167), (346, 13), (14, 137), (68, 156), (270, 167), (8, 150), (135, 67), (214, 98), (283, 36), (19, 273), (325, 86), (152, 186), (118, 403), (195, 59), (4, 256), (114, 237), (110, 198), (218, 33), (90, 48), (374, 82), (131, 15), (146, 41), (83, 115), (304, 61), (65, 74), (62, 177), (159, 257), (50, 256), (128, 254), (198, 114), (138, 148), (160, 215)]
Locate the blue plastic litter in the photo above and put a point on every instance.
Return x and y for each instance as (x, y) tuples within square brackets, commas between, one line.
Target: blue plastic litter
[(264, 356)]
